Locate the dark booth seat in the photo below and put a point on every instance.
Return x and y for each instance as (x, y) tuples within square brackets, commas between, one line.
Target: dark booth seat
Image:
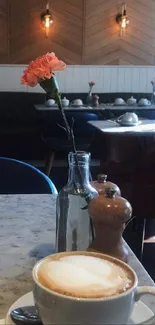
[(20, 126), (55, 137)]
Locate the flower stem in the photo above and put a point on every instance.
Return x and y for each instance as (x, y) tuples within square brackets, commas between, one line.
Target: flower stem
[(72, 139), (51, 87), (64, 117)]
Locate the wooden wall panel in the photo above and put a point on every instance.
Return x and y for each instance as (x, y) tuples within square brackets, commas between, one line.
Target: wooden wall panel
[(4, 32), (84, 32), (28, 36), (103, 43)]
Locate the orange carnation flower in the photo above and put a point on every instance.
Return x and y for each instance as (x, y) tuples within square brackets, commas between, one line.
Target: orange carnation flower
[(42, 68)]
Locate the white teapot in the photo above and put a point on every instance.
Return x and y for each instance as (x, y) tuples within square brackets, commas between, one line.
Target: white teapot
[(65, 102), (128, 119), (131, 101)]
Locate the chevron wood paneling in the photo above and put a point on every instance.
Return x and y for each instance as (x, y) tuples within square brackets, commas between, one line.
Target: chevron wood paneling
[(28, 36), (103, 43), (84, 32), (4, 37)]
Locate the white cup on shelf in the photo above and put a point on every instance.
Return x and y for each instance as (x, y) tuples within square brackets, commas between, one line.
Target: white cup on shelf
[(50, 102), (77, 102), (119, 101)]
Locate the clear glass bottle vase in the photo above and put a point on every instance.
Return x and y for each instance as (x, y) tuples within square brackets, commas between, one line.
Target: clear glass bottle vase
[(89, 98), (73, 225)]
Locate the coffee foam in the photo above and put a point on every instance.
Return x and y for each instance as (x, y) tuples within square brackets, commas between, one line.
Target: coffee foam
[(84, 276)]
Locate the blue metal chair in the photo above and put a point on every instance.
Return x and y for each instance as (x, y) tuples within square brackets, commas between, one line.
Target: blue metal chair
[(17, 177)]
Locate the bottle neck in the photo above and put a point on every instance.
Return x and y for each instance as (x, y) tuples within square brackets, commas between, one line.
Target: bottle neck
[(78, 178), (73, 175), (79, 168)]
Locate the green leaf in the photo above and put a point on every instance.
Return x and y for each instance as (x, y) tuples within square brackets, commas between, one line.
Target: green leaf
[(51, 87)]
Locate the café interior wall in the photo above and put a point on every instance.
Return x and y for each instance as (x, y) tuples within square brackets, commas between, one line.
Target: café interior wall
[(84, 32), (109, 79), (86, 36)]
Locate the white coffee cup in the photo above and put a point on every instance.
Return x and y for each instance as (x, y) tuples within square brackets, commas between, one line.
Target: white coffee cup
[(128, 118), (77, 102), (50, 102), (119, 101), (144, 101), (55, 308)]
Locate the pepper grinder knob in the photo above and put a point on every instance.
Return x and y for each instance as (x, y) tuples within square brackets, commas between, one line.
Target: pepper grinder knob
[(102, 178), (110, 192)]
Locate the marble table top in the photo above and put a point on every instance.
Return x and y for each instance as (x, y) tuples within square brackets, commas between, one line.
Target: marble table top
[(27, 234), (146, 127)]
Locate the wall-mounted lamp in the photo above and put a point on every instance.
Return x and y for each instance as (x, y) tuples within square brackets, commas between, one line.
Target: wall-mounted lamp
[(122, 18), (47, 19)]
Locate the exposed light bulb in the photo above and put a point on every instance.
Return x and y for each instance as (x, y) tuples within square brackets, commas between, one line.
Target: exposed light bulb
[(47, 22), (123, 22), (122, 19), (46, 18)]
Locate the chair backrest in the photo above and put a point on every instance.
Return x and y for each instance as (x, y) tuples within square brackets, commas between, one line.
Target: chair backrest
[(81, 127), (17, 177)]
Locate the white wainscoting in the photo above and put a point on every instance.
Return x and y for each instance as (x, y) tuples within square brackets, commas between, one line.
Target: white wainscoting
[(74, 79)]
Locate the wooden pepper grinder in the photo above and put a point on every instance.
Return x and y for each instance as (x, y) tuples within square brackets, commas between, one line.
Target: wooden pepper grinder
[(109, 214), (101, 184)]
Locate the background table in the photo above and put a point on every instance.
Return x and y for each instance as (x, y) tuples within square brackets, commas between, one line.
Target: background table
[(147, 127), (27, 233), (101, 107), (70, 108)]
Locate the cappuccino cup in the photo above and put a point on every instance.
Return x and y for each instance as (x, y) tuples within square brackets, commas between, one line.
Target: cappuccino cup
[(73, 288)]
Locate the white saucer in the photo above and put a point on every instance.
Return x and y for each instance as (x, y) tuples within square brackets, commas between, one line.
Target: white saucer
[(144, 105), (130, 124), (76, 106), (123, 104), (140, 314)]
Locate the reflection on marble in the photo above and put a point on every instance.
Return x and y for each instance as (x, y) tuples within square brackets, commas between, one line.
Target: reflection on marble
[(27, 233)]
